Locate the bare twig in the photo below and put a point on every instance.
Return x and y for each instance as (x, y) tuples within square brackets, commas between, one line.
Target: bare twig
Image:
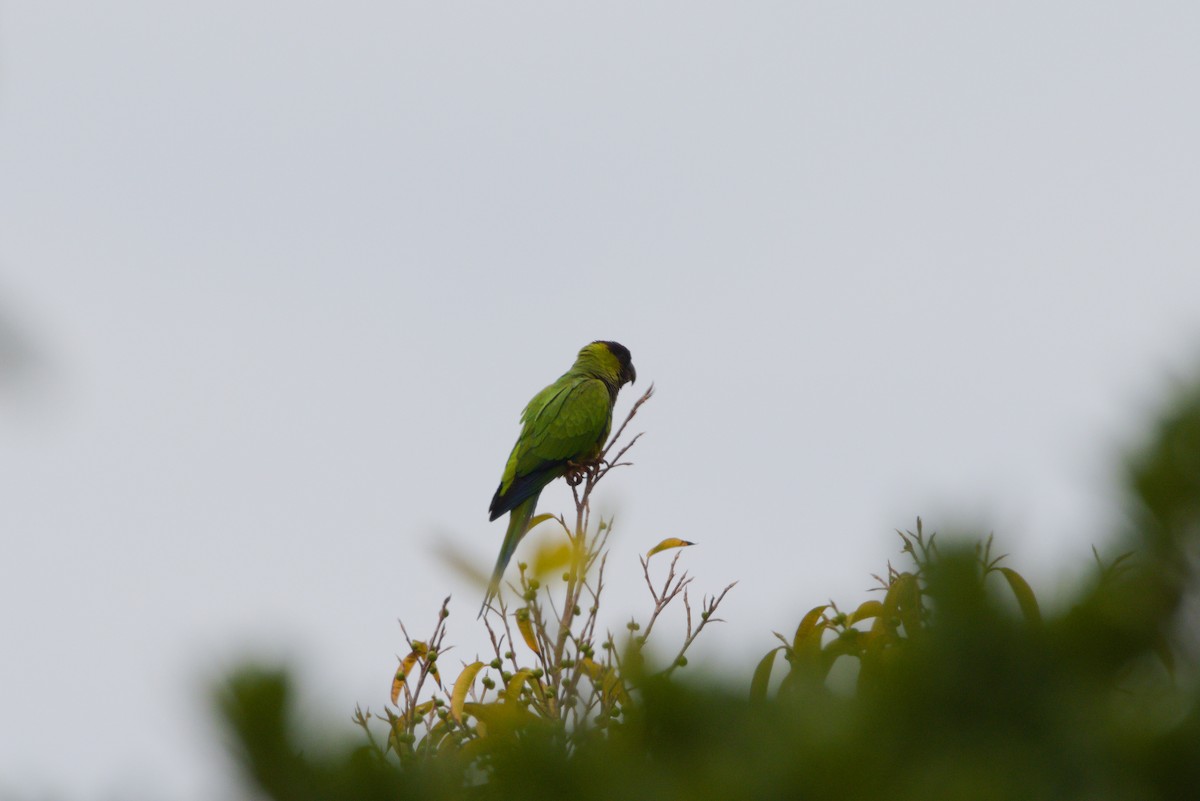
[(633, 411), (672, 586), (709, 606)]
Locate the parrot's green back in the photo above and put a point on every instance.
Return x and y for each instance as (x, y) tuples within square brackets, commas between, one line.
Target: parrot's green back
[(566, 422)]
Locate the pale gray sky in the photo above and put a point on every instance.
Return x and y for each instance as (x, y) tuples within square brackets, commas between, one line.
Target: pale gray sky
[(291, 270)]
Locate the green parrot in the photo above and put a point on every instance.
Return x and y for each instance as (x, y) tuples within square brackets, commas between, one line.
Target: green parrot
[(567, 422)]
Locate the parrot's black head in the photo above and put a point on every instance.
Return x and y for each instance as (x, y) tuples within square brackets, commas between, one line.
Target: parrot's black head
[(627, 372)]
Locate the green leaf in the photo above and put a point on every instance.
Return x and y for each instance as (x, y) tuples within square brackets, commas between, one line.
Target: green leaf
[(903, 601), (1024, 594), (849, 643), (762, 675)]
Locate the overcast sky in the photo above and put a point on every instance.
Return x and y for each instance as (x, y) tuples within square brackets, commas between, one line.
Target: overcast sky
[(276, 280)]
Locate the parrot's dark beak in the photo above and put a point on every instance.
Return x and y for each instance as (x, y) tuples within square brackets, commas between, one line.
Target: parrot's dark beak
[(632, 373)]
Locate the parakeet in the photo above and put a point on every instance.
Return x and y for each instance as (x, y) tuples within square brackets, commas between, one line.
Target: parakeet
[(567, 422)]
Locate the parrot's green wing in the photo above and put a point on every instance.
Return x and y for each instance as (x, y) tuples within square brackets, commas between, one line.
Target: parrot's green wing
[(567, 421), (570, 426)]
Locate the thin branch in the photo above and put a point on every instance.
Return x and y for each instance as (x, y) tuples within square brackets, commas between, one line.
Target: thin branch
[(663, 599), (637, 405), (706, 617)]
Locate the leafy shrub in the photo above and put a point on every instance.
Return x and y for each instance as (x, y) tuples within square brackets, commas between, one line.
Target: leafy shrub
[(951, 683)]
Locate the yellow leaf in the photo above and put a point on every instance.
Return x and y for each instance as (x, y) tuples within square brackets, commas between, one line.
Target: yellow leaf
[(809, 627), (762, 675), (805, 651), (669, 542), (592, 668), (848, 643), (552, 557), (512, 693), (498, 718), (606, 678), (474, 710), (525, 626), (406, 665), (462, 686), (539, 519), (395, 743), (867, 610)]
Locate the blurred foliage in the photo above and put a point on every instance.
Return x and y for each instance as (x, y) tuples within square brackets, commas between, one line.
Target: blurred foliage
[(951, 683)]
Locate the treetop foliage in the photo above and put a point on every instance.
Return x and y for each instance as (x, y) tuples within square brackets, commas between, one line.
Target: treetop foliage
[(949, 682)]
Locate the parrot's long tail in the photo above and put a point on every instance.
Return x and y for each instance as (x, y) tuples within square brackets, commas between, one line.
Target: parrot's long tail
[(518, 524)]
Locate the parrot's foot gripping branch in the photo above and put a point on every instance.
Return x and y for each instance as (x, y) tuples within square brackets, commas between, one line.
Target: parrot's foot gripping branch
[(578, 471)]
